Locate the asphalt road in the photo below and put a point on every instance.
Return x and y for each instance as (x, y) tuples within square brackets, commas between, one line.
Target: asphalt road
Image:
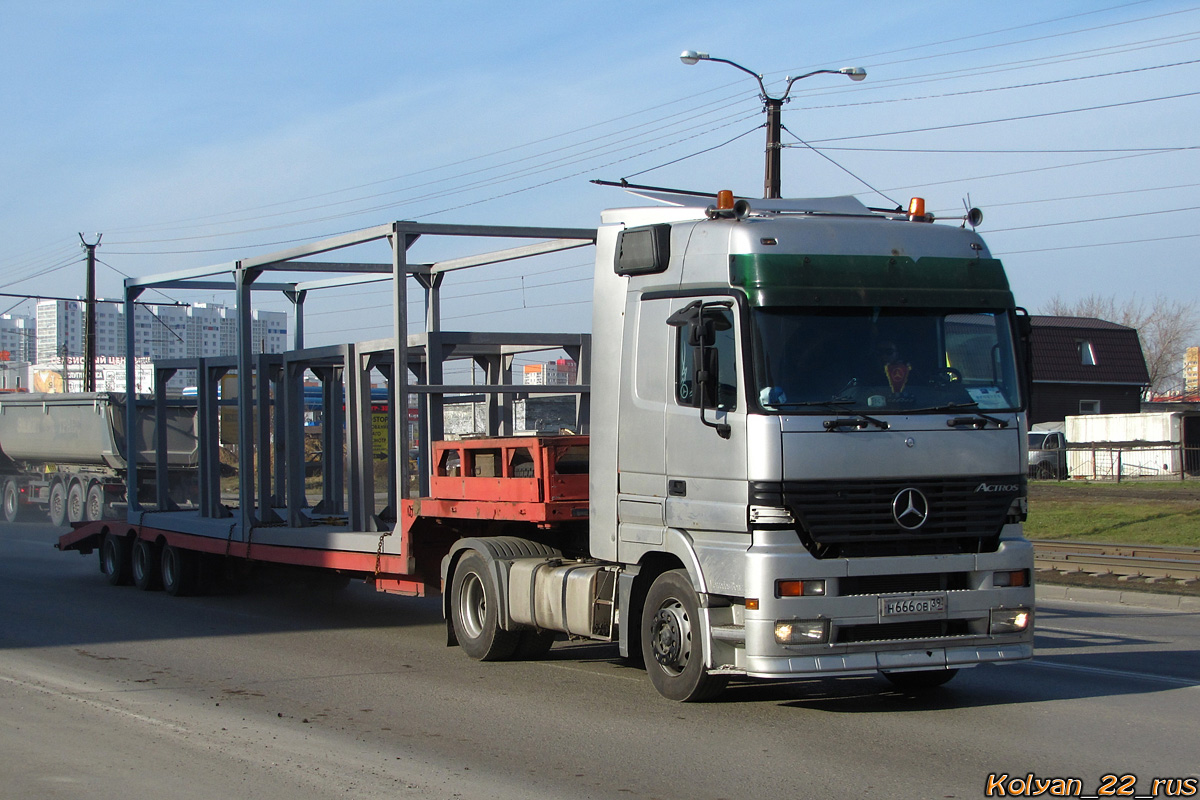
[(277, 692)]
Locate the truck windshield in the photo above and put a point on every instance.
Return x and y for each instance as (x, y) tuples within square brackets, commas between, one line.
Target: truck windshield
[(876, 360)]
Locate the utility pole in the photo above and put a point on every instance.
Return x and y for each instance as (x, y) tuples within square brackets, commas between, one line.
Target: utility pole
[(89, 316)]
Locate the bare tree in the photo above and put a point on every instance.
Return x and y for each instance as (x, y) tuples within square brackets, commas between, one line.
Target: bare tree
[(1166, 328)]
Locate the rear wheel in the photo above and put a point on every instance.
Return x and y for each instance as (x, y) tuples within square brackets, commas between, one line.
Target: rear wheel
[(114, 556), (475, 610), (180, 570), (671, 641), (75, 503), (12, 502), (95, 502), (57, 507), (146, 564), (921, 681)]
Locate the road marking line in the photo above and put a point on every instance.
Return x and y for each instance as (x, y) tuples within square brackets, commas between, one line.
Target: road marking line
[(1115, 673), (61, 695)]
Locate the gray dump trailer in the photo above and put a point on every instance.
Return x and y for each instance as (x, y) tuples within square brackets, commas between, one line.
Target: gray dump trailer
[(65, 454)]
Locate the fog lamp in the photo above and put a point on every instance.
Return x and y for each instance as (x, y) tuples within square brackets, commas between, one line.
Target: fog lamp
[(801, 631), (1010, 620)]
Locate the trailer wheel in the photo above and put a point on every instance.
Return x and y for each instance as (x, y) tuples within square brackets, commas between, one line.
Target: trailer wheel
[(671, 644), (146, 563), (58, 504), (75, 503), (180, 571), (12, 502), (114, 554), (95, 502), (475, 607), (921, 681)]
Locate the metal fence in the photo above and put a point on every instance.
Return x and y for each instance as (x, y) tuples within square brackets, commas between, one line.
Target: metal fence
[(1116, 461)]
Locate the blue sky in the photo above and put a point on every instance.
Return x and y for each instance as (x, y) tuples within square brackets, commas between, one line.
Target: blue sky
[(196, 133)]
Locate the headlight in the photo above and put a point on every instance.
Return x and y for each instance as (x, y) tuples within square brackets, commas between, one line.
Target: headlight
[(801, 631), (1010, 620)]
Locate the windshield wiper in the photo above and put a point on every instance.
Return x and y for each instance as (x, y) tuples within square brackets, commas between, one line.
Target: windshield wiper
[(979, 419), (859, 420)]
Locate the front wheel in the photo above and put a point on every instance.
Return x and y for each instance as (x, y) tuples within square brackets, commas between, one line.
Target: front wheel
[(671, 641), (475, 611), (921, 681)]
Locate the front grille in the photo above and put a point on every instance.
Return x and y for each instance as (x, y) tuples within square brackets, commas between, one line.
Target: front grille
[(895, 584), (855, 518), (895, 631)]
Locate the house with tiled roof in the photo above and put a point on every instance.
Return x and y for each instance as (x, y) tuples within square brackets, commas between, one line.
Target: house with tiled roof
[(1082, 365)]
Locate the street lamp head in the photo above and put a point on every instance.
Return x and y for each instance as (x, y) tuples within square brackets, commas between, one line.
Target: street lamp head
[(854, 73), (690, 57)]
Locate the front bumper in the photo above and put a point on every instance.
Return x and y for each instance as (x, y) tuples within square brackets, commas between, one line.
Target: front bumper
[(861, 637)]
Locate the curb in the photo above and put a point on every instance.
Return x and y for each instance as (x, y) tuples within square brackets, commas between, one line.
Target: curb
[(1083, 594)]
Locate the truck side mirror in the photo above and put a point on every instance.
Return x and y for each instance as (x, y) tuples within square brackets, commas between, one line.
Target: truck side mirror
[(701, 332)]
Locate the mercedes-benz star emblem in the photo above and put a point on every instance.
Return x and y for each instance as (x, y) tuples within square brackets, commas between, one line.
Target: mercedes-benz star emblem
[(910, 509)]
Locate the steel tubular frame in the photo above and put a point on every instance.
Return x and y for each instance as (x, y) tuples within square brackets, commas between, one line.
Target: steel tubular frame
[(270, 386)]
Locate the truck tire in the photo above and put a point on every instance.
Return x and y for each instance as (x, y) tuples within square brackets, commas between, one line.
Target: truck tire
[(114, 555), (921, 681), (671, 644), (180, 571), (94, 509), (146, 564), (12, 502), (75, 503), (475, 611), (57, 506)]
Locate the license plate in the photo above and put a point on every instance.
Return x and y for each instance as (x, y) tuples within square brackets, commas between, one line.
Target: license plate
[(913, 605)]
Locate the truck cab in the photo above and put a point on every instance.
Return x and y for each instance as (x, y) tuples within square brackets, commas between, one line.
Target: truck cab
[(813, 418)]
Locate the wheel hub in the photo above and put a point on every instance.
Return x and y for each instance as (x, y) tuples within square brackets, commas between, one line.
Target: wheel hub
[(668, 637)]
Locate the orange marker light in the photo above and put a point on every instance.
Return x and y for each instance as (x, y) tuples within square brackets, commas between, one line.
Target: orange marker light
[(724, 200), (916, 207), (789, 588)]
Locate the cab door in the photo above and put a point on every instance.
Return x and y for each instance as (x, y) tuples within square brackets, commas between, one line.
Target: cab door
[(707, 489)]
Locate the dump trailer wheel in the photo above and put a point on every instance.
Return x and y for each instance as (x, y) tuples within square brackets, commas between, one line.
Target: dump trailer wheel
[(180, 571), (671, 645), (475, 610), (94, 509), (75, 503), (921, 681), (146, 564), (12, 502), (114, 555), (57, 507)]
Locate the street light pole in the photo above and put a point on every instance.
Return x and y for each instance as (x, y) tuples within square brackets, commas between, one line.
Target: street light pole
[(773, 106)]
